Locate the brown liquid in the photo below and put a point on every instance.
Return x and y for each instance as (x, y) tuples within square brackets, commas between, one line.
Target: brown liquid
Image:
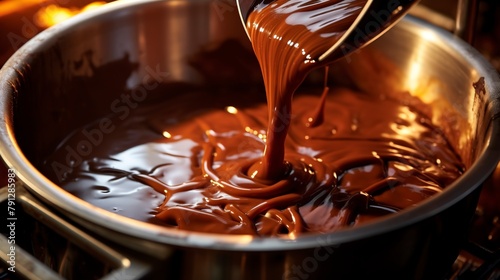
[(287, 38), (225, 162), (370, 157)]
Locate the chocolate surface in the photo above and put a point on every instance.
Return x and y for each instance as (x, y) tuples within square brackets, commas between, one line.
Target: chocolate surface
[(185, 164), (222, 160)]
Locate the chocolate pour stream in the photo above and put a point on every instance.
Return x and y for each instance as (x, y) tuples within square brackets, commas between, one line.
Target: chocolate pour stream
[(229, 163), (287, 38)]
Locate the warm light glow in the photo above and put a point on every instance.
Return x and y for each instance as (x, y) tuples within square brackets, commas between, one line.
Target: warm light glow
[(166, 134), (54, 14), (260, 134), (418, 82), (16, 6), (414, 73), (429, 35), (231, 110)]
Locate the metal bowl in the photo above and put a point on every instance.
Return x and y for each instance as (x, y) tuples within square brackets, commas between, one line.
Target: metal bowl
[(72, 73)]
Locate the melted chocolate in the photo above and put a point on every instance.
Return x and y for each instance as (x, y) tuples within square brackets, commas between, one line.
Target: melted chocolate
[(184, 164), (288, 37), (328, 158)]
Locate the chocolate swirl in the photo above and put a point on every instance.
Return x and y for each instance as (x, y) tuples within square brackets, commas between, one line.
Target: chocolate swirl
[(184, 165)]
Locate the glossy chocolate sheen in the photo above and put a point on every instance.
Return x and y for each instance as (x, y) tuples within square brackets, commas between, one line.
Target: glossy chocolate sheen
[(183, 162), (288, 37), (222, 160)]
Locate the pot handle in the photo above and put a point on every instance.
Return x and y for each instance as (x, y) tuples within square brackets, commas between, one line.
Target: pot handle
[(20, 261), (463, 24)]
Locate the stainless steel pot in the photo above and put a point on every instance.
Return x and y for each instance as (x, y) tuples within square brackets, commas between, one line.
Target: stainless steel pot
[(54, 84)]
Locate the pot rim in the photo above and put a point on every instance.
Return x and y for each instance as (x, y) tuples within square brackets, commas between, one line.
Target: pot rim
[(69, 204)]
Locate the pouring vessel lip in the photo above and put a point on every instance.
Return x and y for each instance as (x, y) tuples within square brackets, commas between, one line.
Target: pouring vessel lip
[(54, 195)]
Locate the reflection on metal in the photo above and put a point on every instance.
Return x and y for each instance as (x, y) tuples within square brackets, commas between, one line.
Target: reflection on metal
[(467, 11), (30, 267), (464, 23), (433, 17)]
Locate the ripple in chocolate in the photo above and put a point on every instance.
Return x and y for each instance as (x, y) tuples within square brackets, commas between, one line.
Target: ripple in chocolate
[(181, 160)]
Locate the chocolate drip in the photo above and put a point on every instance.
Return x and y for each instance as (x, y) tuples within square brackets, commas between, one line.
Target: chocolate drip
[(288, 37)]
